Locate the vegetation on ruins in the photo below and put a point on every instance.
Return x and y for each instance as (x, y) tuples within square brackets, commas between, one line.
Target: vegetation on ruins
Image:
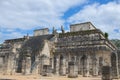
[(106, 35)]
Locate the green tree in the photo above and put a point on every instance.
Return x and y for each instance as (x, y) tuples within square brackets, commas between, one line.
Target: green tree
[(106, 35)]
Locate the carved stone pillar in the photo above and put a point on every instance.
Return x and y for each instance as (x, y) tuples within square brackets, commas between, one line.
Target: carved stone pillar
[(52, 63), (57, 65), (95, 67), (5, 66), (88, 67), (35, 66), (84, 66), (118, 53), (27, 65), (10, 64), (114, 65), (63, 66), (73, 70), (67, 66), (100, 65), (79, 66), (13, 65)]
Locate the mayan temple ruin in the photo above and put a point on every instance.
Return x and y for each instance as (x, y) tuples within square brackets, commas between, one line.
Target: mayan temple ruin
[(84, 50)]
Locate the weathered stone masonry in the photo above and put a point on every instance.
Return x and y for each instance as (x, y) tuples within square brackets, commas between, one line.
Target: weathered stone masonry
[(82, 51)]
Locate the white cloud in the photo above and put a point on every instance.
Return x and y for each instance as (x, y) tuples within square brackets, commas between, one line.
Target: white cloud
[(105, 17), (10, 35), (25, 14), (29, 14)]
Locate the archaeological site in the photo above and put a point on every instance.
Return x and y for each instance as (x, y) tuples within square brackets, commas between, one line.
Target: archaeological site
[(84, 50)]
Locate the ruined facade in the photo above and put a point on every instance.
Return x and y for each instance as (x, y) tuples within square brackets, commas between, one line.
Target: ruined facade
[(82, 51)]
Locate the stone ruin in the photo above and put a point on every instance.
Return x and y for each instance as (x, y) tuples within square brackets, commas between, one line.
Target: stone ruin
[(83, 51)]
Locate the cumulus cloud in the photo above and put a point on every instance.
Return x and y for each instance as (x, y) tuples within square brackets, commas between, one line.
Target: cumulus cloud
[(26, 14), (104, 16), (29, 14)]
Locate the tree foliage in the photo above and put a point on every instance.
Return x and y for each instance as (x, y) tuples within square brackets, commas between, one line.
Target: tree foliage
[(106, 35)]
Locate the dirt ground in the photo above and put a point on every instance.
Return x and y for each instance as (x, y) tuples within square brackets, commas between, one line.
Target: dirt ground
[(38, 77)]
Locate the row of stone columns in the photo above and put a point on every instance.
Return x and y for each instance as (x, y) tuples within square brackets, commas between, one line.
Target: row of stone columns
[(86, 64), (61, 66), (83, 66)]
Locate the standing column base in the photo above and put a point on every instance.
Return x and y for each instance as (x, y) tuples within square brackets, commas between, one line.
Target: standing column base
[(106, 73), (73, 72)]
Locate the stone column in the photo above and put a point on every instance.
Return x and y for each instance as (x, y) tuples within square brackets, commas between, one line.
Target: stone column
[(10, 64), (5, 65), (84, 68), (73, 70), (63, 67), (79, 65), (57, 65), (27, 65), (88, 67), (13, 65), (118, 53), (114, 66), (100, 65), (35, 66), (41, 65), (95, 67), (106, 73), (23, 66), (67, 66), (52, 63)]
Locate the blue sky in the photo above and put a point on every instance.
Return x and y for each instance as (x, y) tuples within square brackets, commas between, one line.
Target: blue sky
[(19, 17)]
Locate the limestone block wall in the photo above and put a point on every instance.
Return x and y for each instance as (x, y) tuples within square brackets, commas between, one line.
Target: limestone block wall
[(81, 27), (39, 32)]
